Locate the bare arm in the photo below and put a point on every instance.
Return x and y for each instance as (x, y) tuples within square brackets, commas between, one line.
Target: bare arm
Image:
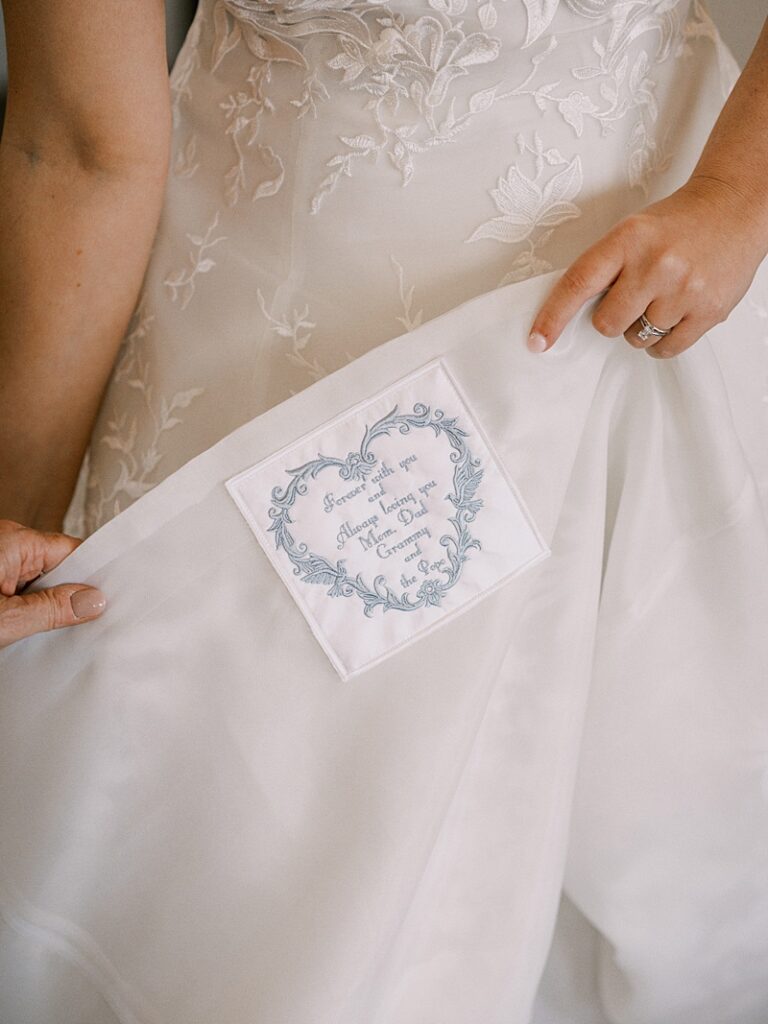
[(736, 152), (689, 258), (83, 163)]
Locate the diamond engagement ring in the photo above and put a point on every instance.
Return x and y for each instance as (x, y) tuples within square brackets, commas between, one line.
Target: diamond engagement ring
[(649, 330)]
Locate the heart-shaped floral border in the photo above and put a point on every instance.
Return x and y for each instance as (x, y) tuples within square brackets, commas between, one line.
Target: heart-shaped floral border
[(312, 568)]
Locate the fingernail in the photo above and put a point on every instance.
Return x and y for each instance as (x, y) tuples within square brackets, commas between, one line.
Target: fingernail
[(87, 602), (536, 342)]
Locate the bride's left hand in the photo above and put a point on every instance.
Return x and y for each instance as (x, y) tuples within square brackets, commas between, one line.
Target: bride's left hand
[(685, 261)]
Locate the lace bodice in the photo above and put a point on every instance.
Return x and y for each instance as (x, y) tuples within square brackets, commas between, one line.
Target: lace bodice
[(345, 169)]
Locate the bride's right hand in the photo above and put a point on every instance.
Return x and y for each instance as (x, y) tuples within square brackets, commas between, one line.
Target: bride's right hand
[(24, 555)]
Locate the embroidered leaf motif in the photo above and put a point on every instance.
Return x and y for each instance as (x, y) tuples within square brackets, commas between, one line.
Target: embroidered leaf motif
[(487, 14), (181, 284), (224, 40), (481, 100), (318, 570), (266, 46), (275, 164), (573, 108), (359, 141), (183, 398), (540, 14)]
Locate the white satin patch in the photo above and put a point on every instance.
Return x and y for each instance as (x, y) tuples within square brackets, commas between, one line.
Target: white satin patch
[(389, 519)]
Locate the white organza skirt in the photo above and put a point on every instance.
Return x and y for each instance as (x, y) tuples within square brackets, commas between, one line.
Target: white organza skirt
[(242, 795)]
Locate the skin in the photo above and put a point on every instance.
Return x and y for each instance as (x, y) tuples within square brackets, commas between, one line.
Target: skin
[(25, 554), (85, 152), (688, 259), (83, 163)]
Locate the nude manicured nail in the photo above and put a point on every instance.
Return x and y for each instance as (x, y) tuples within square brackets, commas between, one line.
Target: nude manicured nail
[(536, 342), (87, 602)]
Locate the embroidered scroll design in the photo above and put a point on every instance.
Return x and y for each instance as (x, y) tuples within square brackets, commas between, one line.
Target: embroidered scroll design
[(316, 569)]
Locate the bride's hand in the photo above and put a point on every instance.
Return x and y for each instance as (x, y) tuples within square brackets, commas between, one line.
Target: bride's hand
[(685, 261), (24, 555)]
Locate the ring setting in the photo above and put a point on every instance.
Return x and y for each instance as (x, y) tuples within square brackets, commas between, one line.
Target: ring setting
[(649, 330)]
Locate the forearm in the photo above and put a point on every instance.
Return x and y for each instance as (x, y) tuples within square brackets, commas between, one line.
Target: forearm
[(736, 152), (75, 243)]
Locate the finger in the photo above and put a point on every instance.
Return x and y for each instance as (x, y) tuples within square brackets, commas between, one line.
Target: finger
[(56, 548), (593, 271), (65, 605), (25, 553), (684, 334), (621, 306)]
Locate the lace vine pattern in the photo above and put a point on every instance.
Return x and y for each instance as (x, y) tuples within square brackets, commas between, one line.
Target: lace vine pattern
[(408, 70)]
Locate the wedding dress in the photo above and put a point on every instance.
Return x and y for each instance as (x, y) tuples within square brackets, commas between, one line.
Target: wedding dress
[(432, 684)]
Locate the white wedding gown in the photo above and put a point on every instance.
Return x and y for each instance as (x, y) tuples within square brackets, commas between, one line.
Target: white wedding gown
[(524, 784)]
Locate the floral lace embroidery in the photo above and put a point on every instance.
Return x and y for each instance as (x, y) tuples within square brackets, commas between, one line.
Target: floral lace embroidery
[(408, 320), (527, 205), (185, 161), (181, 283), (618, 84), (413, 73), (135, 469), (392, 61), (299, 330), (243, 111), (416, 64)]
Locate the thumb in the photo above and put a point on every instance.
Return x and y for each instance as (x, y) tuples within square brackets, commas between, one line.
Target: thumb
[(52, 608)]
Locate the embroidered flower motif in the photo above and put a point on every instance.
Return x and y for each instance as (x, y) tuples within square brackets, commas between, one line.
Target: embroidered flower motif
[(525, 205), (431, 592), (413, 63), (573, 108), (383, 53)]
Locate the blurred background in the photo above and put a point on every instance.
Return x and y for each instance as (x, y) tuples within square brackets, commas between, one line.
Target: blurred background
[(739, 22)]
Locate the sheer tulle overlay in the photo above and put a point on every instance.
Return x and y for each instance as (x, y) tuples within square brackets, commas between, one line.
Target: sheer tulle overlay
[(547, 806)]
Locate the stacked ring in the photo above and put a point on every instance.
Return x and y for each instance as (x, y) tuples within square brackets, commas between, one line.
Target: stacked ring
[(649, 330)]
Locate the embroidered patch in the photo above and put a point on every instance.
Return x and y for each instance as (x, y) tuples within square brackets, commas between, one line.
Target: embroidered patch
[(389, 519)]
